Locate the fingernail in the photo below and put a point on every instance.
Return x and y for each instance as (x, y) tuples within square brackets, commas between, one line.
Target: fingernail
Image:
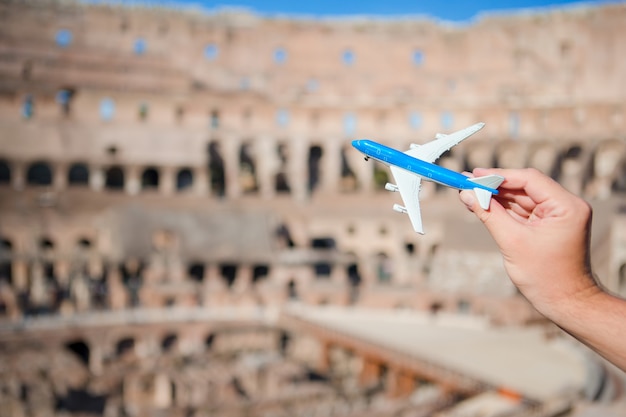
[(467, 197)]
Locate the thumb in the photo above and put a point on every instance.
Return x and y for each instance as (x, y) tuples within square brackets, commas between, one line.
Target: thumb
[(495, 219)]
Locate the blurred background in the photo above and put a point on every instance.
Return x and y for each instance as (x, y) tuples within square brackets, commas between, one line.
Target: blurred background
[(185, 229)]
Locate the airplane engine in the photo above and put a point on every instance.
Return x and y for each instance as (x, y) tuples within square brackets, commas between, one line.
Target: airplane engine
[(399, 208), (391, 187)]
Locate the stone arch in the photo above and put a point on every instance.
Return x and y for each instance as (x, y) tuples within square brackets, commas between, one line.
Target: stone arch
[(150, 179), (80, 349), (5, 172), (78, 174), (184, 179), (6, 255), (348, 179), (195, 271), (124, 346), (260, 272), (316, 153), (216, 169), (281, 179), (39, 173), (169, 341), (114, 178), (248, 180), (384, 268), (569, 161)]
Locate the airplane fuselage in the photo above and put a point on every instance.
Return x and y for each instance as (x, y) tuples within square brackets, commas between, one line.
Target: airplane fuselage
[(426, 170)]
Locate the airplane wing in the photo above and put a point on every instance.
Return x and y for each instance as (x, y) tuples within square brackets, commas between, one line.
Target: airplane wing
[(409, 187), (432, 150)]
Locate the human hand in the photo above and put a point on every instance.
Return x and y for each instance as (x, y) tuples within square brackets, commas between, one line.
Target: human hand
[(543, 233)]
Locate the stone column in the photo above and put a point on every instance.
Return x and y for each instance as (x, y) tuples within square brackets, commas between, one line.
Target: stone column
[(230, 154), (59, 176), (96, 178), (132, 182), (331, 165), (297, 168), (267, 165), (201, 181), (167, 184), (18, 176)]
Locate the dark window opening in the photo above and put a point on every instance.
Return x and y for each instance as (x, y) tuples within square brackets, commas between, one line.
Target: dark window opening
[(247, 174), (281, 183), (292, 292), (184, 179), (209, 341), (229, 273), (168, 342), (323, 269), (348, 178), (80, 349), (284, 236), (5, 172), (259, 272), (196, 272), (46, 244), (410, 248), (84, 243), (39, 173), (283, 343), (124, 346), (78, 174), (216, 170), (114, 178), (315, 156), (150, 179)]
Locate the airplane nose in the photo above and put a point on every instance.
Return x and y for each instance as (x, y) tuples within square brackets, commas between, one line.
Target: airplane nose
[(356, 143)]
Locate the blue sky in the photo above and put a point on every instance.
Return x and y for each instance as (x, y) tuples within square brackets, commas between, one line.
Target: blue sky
[(446, 10)]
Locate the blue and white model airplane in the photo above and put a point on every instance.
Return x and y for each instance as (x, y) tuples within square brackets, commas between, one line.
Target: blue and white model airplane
[(410, 167)]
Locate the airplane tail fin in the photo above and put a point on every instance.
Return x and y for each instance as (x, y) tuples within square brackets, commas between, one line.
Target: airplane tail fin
[(483, 195)]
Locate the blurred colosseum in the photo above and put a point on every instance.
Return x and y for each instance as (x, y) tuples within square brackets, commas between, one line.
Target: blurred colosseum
[(185, 229)]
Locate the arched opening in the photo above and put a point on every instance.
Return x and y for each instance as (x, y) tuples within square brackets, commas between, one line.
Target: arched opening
[(229, 273), (259, 272), (247, 170), (114, 178), (6, 256), (39, 173), (169, 342), (184, 179), (384, 268), (568, 157), (315, 157), (5, 172), (292, 291), (283, 343), (281, 180), (78, 174), (283, 236), (348, 180), (80, 349), (196, 271), (323, 269), (209, 341), (150, 179), (354, 280), (216, 169), (125, 346), (46, 244)]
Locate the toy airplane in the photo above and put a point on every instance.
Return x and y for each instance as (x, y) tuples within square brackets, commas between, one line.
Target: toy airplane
[(410, 167)]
